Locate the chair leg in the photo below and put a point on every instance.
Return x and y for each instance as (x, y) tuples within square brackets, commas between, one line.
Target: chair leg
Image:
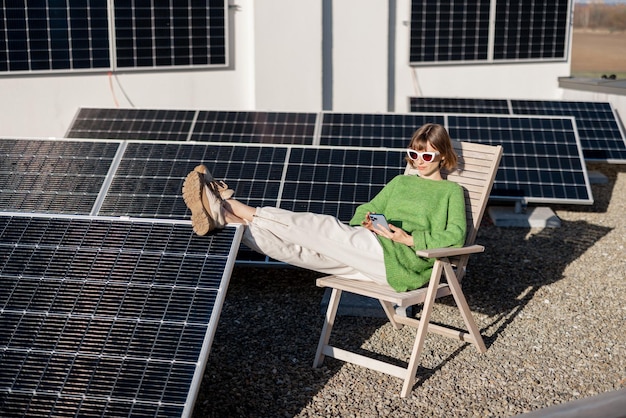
[(329, 321), (461, 303), (390, 311), (422, 329)]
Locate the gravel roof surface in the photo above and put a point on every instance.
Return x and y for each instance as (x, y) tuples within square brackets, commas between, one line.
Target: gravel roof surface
[(550, 304)]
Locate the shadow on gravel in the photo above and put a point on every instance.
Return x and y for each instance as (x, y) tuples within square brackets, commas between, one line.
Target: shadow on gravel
[(503, 279), (516, 263)]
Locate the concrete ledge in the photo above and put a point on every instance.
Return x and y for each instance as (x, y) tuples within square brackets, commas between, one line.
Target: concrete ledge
[(533, 217), (605, 405)]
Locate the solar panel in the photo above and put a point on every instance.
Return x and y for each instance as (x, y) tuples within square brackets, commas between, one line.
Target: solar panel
[(148, 180), (488, 31), (105, 317), (63, 36), (542, 159), (529, 29), (53, 176), (459, 105), (600, 131), (449, 31), (255, 127), (388, 130), (44, 36), (172, 125), (181, 33)]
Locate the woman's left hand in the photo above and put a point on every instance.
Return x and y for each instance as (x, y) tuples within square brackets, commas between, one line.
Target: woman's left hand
[(396, 234)]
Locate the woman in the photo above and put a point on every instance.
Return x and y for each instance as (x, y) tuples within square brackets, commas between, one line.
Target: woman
[(423, 211)]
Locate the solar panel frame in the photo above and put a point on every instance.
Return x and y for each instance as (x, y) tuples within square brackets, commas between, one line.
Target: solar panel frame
[(76, 341)]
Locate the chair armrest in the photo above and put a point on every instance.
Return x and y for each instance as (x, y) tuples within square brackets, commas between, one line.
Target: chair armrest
[(449, 251)]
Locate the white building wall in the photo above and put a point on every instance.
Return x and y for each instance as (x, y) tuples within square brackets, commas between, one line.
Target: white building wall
[(288, 55), (360, 33), (276, 63)]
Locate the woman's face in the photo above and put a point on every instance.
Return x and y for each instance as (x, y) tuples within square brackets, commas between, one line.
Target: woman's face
[(428, 169)]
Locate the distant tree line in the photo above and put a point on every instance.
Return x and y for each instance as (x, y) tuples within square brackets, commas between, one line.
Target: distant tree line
[(600, 16)]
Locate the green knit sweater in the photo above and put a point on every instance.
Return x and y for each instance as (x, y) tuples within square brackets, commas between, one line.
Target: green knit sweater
[(432, 211)]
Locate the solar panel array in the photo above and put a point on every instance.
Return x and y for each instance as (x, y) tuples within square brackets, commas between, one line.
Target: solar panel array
[(106, 317), (488, 31), (601, 133), (112, 316), (63, 36), (525, 174)]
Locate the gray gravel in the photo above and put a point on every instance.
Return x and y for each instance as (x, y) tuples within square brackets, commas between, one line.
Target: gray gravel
[(550, 304)]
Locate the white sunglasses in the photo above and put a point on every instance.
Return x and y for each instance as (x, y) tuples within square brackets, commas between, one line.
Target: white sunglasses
[(426, 156)]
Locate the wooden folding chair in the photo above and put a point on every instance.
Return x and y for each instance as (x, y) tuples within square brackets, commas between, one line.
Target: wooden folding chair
[(476, 172)]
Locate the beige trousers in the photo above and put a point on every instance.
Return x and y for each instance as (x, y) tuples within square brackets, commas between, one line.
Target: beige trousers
[(316, 242)]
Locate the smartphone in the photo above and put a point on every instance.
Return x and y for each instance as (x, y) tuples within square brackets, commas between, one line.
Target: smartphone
[(379, 219)]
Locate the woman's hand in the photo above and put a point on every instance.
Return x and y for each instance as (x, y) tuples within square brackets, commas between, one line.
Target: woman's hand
[(396, 234)]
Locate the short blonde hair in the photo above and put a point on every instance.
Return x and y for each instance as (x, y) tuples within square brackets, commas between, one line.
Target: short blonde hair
[(439, 139)]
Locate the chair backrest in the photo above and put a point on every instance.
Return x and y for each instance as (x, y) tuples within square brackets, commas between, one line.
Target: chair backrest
[(475, 172)]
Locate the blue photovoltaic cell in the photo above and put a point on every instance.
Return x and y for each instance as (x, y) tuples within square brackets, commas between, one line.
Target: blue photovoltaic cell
[(53, 176), (600, 133), (387, 130), (170, 125), (255, 127), (100, 319), (542, 160)]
